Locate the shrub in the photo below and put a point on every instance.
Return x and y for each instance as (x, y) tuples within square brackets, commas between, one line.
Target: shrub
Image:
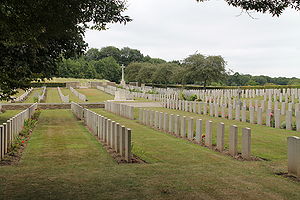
[(152, 92)]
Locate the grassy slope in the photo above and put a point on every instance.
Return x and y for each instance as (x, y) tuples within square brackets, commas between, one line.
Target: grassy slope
[(52, 96), (7, 114), (64, 161), (95, 95)]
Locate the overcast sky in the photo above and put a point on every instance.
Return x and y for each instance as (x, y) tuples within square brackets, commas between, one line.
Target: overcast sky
[(175, 29)]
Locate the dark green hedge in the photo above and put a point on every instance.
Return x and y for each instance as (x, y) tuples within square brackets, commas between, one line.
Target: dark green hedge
[(225, 87), (48, 84)]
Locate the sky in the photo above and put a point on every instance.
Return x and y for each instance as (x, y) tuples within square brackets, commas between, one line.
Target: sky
[(174, 29)]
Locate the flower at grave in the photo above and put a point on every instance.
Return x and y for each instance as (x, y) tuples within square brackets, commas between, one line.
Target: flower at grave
[(23, 141)]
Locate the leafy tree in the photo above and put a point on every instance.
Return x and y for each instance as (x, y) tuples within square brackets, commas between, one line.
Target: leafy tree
[(251, 82), (35, 34), (205, 69), (154, 60), (146, 72), (238, 80), (111, 51), (76, 68), (164, 73), (132, 71), (275, 8), (180, 75), (108, 68), (92, 54), (129, 55), (261, 80)]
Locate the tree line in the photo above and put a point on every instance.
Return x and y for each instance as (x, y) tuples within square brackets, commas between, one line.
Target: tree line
[(105, 63)]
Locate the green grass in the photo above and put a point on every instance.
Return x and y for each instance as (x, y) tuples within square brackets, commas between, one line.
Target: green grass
[(52, 96), (63, 161), (72, 97), (267, 142), (7, 114), (34, 93), (95, 95)]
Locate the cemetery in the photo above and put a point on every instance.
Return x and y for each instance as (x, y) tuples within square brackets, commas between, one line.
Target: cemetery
[(192, 139), (209, 110)]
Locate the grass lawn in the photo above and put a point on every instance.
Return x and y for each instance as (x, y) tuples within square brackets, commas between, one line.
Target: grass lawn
[(7, 114), (267, 142), (63, 161), (72, 97), (52, 96), (34, 93), (95, 95)]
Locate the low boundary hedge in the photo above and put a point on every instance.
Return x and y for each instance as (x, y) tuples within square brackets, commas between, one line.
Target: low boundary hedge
[(35, 85), (224, 87)]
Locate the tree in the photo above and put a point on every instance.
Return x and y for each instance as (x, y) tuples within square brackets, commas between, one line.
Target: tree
[(275, 8), (146, 73), (204, 69), (76, 68), (129, 55), (108, 68), (92, 54), (164, 73), (132, 71), (111, 51), (35, 34)]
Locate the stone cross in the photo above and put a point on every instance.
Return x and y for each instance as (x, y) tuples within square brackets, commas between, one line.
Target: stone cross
[(123, 80)]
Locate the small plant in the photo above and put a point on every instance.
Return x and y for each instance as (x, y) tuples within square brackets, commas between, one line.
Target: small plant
[(135, 90), (152, 92), (203, 138), (35, 99), (283, 125), (181, 96), (272, 120), (294, 126), (192, 97)]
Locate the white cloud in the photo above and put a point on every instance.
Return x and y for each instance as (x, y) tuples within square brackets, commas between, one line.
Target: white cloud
[(174, 29)]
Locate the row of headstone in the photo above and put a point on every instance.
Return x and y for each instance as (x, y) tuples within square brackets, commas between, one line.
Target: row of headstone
[(235, 112), (109, 132), (11, 129), (183, 127), (42, 97), (82, 97), (244, 93), (120, 109), (63, 98), (107, 90), (24, 96), (294, 156)]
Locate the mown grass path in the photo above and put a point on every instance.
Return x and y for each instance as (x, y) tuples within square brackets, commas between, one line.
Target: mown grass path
[(64, 161)]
